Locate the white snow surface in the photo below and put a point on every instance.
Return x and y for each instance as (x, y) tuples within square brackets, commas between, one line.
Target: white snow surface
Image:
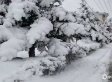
[(88, 69), (9, 67)]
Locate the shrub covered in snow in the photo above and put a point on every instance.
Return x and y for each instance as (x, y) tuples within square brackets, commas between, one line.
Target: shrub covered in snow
[(45, 66), (10, 48), (88, 45), (40, 27), (51, 65)]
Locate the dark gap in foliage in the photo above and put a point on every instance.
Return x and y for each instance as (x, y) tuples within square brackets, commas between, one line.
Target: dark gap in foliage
[(7, 2), (28, 21)]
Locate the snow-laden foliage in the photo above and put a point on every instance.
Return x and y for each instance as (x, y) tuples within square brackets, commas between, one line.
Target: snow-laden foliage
[(5, 34), (51, 65), (72, 29), (21, 12), (10, 45), (58, 48), (10, 48), (88, 45), (48, 3), (60, 14), (48, 65), (44, 28), (2, 13), (6, 2), (96, 27), (39, 29)]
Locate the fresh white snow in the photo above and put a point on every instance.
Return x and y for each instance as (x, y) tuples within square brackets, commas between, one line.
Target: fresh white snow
[(88, 69), (7, 68), (39, 30)]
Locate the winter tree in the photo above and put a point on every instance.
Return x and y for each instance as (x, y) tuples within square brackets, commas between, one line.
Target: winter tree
[(31, 26), (44, 28), (94, 27)]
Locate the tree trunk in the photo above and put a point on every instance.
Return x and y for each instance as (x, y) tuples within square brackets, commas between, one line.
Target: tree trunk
[(32, 50)]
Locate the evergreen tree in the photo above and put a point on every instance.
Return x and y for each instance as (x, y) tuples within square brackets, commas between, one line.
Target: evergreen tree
[(44, 26), (94, 27)]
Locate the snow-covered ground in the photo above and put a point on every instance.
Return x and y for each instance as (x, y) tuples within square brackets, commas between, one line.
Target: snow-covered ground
[(9, 67), (88, 69)]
